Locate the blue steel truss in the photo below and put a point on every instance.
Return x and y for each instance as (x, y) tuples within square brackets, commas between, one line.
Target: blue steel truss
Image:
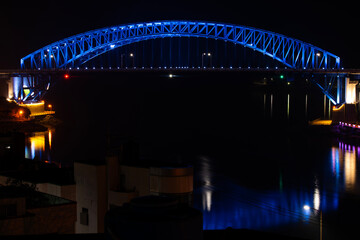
[(78, 49)]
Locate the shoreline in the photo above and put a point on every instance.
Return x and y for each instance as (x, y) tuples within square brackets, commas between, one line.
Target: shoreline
[(34, 125)]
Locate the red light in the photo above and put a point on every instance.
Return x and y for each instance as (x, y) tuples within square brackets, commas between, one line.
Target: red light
[(66, 76)]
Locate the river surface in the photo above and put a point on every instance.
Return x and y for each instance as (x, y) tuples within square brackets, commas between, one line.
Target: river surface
[(257, 163)]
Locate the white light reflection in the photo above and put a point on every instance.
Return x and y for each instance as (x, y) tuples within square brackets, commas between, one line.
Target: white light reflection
[(317, 198), (207, 192), (288, 106), (206, 198)]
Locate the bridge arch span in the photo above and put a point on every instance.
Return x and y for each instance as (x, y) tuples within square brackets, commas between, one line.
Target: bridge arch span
[(80, 48)]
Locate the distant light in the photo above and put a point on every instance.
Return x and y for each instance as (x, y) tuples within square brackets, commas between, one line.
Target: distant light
[(66, 76), (281, 76), (318, 54), (170, 75), (307, 207), (131, 54), (112, 45), (21, 112)]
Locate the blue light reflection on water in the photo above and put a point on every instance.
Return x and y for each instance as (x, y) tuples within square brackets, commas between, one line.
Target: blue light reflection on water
[(226, 204)]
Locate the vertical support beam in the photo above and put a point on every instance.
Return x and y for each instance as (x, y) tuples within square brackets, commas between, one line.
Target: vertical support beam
[(10, 84), (350, 90), (339, 90)]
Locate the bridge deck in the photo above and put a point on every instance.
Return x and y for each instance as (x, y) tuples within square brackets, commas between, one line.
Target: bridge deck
[(9, 72)]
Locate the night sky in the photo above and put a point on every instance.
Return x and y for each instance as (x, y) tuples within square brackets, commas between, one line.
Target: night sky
[(30, 25)]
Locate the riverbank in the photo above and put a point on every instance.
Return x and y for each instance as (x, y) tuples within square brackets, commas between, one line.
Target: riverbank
[(35, 125), (21, 126)]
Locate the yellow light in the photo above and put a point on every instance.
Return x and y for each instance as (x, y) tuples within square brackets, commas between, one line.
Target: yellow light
[(339, 108), (350, 169), (32, 104), (50, 138), (21, 112), (38, 141)]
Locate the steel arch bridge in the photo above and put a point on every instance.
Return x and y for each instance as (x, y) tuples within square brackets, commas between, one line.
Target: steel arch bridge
[(78, 49)]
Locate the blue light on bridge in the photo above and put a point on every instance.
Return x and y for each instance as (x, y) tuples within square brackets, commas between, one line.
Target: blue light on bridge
[(81, 48)]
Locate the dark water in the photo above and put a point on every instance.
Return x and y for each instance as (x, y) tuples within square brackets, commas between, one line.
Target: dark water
[(257, 164)]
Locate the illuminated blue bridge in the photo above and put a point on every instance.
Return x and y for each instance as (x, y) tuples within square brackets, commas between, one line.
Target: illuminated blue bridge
[(78, 49), (72, 53)]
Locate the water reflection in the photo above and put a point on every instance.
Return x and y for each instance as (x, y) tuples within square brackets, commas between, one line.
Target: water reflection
[(344, 164), (226, 204), (288, 106), (206, 175), (38, 145)]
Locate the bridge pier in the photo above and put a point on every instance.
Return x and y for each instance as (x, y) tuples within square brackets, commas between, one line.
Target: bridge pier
[(16, 90), (339, 91), (350, 90), (348, 111), (27, 87)]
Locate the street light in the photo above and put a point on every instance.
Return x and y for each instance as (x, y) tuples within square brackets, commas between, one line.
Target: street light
[(317, 56), (133, 59), (208, 54)]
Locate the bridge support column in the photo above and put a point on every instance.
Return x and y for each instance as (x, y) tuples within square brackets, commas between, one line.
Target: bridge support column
[(348, 111), (16, 87), (10, 87), (350, 91), (339, 90)]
